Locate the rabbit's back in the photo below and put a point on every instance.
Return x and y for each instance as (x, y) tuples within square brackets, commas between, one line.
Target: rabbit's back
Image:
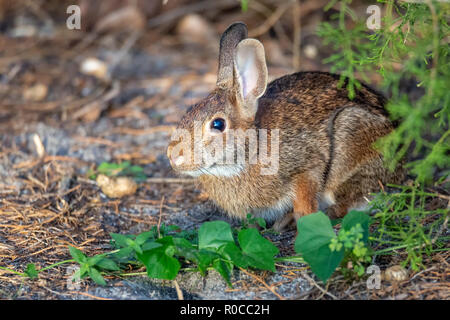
[(316, 118), (312, 97)]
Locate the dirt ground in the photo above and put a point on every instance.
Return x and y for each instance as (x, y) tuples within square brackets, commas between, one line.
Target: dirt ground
[(47, 201)]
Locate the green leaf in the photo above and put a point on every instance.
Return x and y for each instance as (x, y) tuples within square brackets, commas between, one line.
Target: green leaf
[(107, 264), (92, 261), (182, 244), (261, 222), (215, 234), (84, 270), (123, 253), (185, 249), (96, 276), (123, 169), (136, 172), (31, 271), (258, 251), (314, 236), (77, 254), (244, 5), (234, 254), (324, 262), (224, 270), (205, 259), (121, 240), (141, 238), (150, 245), (136, 247), (352, 218), (111, 169), (159, 262)]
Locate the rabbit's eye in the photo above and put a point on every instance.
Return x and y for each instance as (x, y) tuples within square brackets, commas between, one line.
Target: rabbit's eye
[(218, 124)]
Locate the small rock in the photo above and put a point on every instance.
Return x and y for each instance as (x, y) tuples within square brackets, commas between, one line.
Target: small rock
[(94, 67), (310, 51), (395, 273), (38, 92), (116, 187)]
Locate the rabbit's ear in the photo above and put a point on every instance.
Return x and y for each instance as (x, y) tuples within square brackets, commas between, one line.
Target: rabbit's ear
[(228, 42), (250, 73)]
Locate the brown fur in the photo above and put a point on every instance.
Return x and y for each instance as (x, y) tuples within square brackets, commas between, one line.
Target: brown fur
[(326, 147)]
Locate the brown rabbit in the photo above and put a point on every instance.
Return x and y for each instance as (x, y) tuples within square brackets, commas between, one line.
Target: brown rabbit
[(324, 153)]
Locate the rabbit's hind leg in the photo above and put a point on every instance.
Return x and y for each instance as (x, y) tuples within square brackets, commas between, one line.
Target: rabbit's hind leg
[(354, 193)]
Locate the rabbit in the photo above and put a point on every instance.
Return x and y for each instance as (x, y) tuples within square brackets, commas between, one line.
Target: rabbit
[(326, 158)]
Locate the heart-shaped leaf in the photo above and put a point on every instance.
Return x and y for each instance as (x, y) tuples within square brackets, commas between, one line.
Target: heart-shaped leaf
[(215, 234), (314, 236), (159, 261), (259, 251)]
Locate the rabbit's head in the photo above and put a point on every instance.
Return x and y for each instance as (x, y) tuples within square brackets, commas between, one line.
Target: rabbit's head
[(231, 107)]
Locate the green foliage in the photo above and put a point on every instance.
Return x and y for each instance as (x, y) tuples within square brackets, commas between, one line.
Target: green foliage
[(244, 5), (410, 45), (167, 250), (212, 235), (258, 252), (403, 222), (90, 266), (315, 234), (254, 221), (159, 260), (31, 271), (119, 169), (163, 252), (324, 251), (350, 45)]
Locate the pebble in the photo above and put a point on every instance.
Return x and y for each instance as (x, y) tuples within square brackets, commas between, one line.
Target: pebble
[(395, 273)]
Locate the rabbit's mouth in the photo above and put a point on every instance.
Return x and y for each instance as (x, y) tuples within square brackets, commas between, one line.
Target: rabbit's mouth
[(226, 170)]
